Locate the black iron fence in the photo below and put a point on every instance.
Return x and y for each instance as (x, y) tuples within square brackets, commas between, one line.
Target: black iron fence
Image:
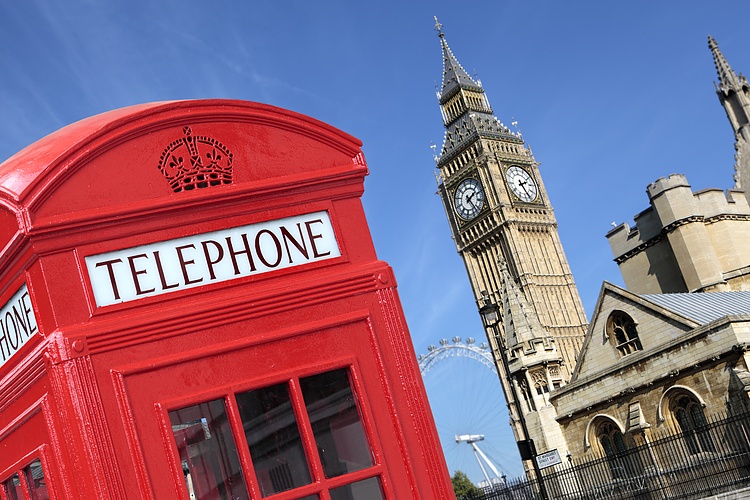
[(710, 460)]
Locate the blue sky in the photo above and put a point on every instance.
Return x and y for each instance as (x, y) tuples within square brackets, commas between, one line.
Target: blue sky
[(609, 95)]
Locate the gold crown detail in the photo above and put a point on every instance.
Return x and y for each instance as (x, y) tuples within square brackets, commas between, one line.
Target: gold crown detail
[(210, 162)]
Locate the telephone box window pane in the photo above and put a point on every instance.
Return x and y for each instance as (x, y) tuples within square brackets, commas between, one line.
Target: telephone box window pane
[(338, 430), (368, 489), (13, 488), (35, 478), (208, 453), (274, 440)]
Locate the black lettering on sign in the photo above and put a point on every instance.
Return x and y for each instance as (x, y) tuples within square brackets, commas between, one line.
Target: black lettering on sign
[(200, 259), (17, 324)]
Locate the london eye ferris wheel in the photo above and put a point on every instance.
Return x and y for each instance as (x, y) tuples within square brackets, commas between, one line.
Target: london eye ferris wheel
[(467, 402)]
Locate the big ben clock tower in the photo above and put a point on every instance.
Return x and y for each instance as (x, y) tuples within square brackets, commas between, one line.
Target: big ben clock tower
[(505, 230)]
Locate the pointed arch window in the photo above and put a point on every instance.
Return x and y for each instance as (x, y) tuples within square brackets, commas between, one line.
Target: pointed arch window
[(622, 333), (524, 388), (619, 450), (542, 389), (611, 439), (613, 445), (688, 413)]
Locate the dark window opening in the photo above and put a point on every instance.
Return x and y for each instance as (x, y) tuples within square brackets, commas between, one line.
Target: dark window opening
[(13, 488), (273, 419), (31, 484), (274, 439), (689, 415), (623, 333), (339, 435), (619, 451), (36, 481), (208, 453)]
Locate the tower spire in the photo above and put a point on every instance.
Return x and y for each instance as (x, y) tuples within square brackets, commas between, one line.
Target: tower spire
[(454, 75), (734, 94), (728, 79), (526, 340), (467, 114)]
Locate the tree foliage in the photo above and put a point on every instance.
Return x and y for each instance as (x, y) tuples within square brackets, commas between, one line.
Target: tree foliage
[(462, 486)]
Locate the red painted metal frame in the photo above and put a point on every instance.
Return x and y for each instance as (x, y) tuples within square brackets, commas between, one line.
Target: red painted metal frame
[(89, 393)]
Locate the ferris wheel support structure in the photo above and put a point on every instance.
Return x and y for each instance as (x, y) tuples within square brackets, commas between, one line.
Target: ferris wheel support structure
[(471, 439)]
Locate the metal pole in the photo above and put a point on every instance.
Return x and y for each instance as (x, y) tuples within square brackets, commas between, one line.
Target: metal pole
[(521, 418), (491, 310)]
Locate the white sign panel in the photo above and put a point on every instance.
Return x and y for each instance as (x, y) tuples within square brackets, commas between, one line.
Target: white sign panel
[(17, 324), (548, 459), (201, 259)]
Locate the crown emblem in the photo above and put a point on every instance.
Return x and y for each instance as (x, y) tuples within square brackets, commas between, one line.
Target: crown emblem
[(194, 162)]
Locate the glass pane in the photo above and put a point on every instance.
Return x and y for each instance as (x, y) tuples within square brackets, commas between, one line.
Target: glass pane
[(13, 488), (274, 439), (208, 452), (619, 442), (368, 489), (609, 451), (35, 478), (338, 430)]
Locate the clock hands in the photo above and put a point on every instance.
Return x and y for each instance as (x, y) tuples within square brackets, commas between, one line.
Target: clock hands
[(471, 196), (522, 185), (469, 199)]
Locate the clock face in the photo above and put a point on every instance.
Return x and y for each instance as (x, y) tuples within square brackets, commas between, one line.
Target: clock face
[(521, 183), (469, 199)]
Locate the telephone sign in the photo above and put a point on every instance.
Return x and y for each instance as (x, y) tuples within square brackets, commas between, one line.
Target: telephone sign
[(201, 259)]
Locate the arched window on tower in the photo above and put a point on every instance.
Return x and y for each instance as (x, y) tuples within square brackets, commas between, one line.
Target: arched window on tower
[(688, 412), (622, 333), (524, 388), (542, 389)]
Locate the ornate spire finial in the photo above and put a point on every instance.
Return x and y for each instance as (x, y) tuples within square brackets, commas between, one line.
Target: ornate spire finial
[(727, 77), (438, 27)]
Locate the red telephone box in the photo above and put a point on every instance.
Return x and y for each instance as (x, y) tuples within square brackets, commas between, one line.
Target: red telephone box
[(192, 308)]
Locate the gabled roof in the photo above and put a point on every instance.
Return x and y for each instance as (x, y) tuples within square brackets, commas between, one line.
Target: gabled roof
[(614, 290), (704, 307), (690, 310)]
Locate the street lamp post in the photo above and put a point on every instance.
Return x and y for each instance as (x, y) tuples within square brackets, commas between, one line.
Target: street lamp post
[(490, 314)]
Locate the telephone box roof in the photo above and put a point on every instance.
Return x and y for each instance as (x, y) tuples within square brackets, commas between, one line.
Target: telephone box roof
[(38, 167)]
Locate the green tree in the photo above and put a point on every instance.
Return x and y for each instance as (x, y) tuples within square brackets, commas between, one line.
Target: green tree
[(462, 486)]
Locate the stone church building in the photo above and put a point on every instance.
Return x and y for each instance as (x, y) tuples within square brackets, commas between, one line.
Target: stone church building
[(662, 354)]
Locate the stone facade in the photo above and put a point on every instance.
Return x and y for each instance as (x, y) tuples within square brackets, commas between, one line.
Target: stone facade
[(685, 241), (675, 355), (672, 349)]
